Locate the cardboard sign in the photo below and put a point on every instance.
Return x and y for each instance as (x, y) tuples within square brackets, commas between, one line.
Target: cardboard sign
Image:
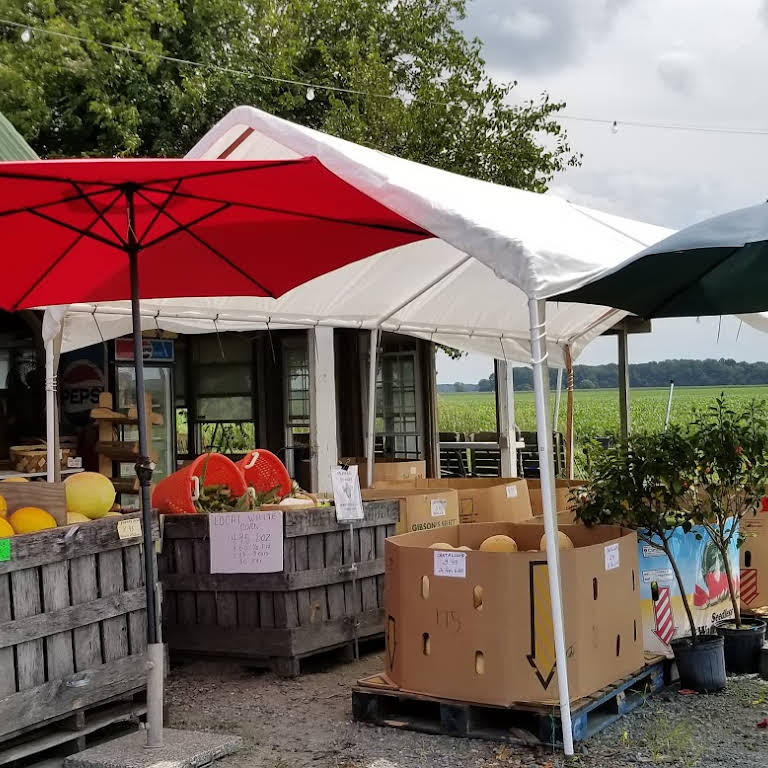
[(612, 559), (246, 542), (5, 550), (346, 494), (453, 564), (438, 507), (129, 529)]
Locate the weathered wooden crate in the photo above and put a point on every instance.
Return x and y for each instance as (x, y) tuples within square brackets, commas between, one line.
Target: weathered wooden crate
[(72, 624), (278, 618)]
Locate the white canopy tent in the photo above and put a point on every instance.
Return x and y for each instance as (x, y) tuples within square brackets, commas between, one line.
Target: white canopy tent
[(540, 244)]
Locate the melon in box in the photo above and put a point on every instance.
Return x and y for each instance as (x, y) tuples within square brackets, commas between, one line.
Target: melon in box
[(476, 626), (90, 494)]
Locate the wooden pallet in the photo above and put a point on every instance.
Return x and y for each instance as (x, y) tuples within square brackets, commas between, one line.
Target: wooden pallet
[(375, 700), (75, 732)]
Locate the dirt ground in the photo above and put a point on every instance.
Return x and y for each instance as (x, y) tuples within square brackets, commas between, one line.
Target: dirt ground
[(307, 722)]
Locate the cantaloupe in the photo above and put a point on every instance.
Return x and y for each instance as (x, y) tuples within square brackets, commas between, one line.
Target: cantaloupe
[(31, 520), (465, 549), (90, 494), (76, 517), (15, 480), (440, 545), (3, 506), (563, 542), (5, 529), (499, 543)]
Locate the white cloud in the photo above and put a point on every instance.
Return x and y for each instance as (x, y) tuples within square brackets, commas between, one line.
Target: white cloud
[(678, 70), (525, 24)]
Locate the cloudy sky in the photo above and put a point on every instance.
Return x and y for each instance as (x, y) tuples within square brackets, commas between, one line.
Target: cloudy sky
[(668, 62)]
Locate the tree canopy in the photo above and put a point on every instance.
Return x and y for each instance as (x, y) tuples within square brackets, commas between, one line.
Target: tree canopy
[(421, 89)]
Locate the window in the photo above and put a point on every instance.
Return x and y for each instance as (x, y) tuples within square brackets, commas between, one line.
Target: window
[(223, 380), (5, 367), (296, 396), (399, 432)]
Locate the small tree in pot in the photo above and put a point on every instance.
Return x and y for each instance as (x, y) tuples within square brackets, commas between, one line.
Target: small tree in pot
[(646, 484), (730, 476)]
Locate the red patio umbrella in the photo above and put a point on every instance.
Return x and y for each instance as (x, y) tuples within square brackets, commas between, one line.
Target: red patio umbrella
[(102, 230)]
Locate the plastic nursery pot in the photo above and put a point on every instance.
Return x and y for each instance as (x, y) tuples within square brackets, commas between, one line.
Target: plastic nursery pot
[(701, 665), (742, 646)]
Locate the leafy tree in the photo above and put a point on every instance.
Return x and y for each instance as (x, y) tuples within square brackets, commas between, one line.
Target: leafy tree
[(74, 97), (459, 387), (485, 385)]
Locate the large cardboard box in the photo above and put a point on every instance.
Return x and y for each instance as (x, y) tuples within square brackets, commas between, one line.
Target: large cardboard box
[(753, 559), (387, 470), (420, 510), (706, 585), (481, 499), (476, 626), (562, 495)]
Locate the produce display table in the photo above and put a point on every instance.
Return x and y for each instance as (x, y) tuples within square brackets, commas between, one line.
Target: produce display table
[(316, 603), (72, 624)]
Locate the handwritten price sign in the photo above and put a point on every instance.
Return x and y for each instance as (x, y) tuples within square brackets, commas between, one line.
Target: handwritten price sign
[(246, 542)]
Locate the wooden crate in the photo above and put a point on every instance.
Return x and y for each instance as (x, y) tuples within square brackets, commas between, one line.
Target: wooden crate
[(277, 618), (72, 624)]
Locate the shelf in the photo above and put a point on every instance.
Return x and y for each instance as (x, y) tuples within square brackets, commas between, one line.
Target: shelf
[(125, 419), (125, 484), (121, 451)]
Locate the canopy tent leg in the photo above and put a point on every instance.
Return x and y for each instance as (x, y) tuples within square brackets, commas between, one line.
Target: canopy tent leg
[(370, 443), (558, 394), (322, 407), (537, 310), (623, 382), (50, 411), (505, 409), (569, 415)]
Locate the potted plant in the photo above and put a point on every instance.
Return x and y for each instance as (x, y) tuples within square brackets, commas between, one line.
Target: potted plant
[(730, 476), (645, 484)]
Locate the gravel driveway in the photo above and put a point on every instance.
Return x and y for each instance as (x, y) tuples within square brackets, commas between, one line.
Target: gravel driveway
[(307, 722)]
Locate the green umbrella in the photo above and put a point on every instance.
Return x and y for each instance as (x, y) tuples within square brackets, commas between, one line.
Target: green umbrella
[(716, 267)]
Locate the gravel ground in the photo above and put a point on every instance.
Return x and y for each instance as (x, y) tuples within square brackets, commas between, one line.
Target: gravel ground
[(307, 722)]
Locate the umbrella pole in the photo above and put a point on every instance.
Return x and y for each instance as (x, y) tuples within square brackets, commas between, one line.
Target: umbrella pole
[(537, 310), (144, 469)]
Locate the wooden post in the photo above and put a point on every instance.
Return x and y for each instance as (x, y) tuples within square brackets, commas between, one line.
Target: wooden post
[(505, 420), (569, 415), (322, 407), (624, 417)]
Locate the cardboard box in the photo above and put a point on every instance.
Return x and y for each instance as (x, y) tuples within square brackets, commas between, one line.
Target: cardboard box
[(476, 626), (562, 495), (420, 510), (753, 559), (703, 574), (481, 499), (387, 470)]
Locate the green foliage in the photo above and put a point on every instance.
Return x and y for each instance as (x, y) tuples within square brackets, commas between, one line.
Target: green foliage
[(69, 97)]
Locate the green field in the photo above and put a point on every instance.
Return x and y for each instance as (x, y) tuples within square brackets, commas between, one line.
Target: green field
[(596, 411)]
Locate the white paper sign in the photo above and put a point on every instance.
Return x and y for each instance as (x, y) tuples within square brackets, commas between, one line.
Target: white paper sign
[(346, 494), (658, 574), (453, 564), (246, 542), (611, 557), (511, 491), (129, 529), (438, 507), (651, 551)]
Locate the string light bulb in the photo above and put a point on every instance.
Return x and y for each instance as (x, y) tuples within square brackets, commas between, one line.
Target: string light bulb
[(310, 93), (26, 35), (615, 127)]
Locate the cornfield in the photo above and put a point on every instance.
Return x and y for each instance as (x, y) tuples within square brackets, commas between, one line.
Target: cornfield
[(596, 412)]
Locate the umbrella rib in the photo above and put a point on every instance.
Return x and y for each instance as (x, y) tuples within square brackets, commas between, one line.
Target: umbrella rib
[(73, 228), (160, 209), (228, 262), (61, 257), (100, 215), (675, 294), (300, 214), (60, 201), (265, 165), (179, 227)]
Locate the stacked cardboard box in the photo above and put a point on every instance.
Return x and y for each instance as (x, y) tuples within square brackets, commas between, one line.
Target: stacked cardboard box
[(563, 490), (387, 470), (476, 626), (753, 557), (419, 509)]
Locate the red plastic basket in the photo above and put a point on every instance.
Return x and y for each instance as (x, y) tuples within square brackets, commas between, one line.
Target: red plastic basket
[(175, 494), (264, 471)]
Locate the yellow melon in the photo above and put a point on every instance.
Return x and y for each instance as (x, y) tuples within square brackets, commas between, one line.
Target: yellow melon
[(76, 517), (5, 529), (90, 494), (465, 549), (15, 480), (3, 506), (31, 520), (563, 542), (440, 545), (499, 543)]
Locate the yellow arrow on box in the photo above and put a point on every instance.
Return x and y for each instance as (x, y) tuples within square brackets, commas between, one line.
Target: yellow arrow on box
[(542, 655)]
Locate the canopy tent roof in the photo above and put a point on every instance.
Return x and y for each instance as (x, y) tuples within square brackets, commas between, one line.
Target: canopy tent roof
[(430, 289)]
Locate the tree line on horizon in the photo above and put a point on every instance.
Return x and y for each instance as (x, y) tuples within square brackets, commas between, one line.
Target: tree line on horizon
[(685, 373)]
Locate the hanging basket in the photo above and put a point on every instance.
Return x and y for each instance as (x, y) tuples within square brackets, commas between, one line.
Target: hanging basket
[(263, 471), (176, 494)]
